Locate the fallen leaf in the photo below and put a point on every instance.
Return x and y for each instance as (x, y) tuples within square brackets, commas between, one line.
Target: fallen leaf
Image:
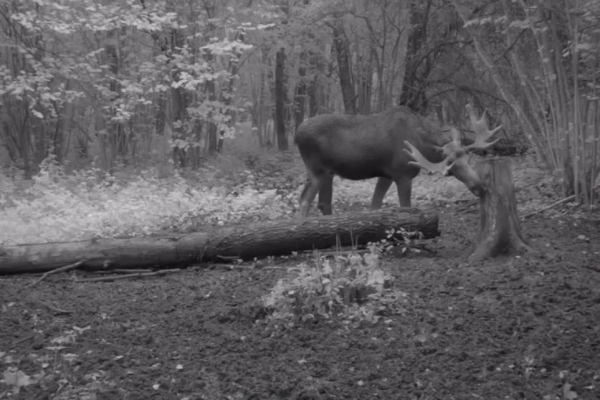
[(568, 394)]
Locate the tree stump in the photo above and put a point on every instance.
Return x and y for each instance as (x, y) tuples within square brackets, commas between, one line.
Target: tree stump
[(499, 229)]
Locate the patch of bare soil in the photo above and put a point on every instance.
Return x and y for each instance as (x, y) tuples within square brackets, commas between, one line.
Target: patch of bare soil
[(518, 328)]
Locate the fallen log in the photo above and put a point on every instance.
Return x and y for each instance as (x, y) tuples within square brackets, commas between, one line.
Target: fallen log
[(245, 242)]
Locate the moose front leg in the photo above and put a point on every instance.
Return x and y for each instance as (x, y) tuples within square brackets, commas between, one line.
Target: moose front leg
[(308, 195), (383, 185), (404, 185), (326, 194)]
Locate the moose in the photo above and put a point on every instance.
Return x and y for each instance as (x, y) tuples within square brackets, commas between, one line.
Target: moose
[(392, 146)]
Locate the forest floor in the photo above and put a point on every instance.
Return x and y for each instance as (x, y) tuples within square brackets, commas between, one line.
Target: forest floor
[(506, 328)]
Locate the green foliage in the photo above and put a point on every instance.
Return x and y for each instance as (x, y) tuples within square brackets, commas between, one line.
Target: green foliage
[(83, 71), (354, 289), (542, 57), (57, 206)]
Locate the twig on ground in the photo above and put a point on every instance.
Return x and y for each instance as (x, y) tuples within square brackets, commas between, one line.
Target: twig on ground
[(226, 267), (136, 275), (56, 271), (232, 267), (23, 339), (227, 258), (340, 252), (467, 206), (55, 309), (123, 271), (592, 268), (423, 247), (566, 199)]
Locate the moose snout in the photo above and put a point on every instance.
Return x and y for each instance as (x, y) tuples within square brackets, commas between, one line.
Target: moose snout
[(464, 173), (477, 189)]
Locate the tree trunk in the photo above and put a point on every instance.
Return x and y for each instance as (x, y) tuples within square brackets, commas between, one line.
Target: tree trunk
[(300, 98), (213, 134), (499, 228), (365, 89), (343, 59), (313, 102), (228, 94), (117, 138), (179, 100), (418, 64), (400, 52), (317, 68), (282, 140), (179, 105), (502, 85), (243, 241)]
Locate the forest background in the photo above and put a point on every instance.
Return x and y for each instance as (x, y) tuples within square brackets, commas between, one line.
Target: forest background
[(142, 114), (156, 118)]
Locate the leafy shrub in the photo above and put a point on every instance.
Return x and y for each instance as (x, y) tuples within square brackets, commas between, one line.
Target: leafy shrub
[(56, 206), (353, 288)]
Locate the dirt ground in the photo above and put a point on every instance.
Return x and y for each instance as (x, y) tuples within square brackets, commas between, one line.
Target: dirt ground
[(518, 328)]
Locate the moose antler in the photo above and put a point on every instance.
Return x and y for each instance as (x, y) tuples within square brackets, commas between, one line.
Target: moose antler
[(482, 133), (421, 161)]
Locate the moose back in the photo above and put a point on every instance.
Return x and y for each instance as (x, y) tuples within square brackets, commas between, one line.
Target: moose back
[(391, 146)]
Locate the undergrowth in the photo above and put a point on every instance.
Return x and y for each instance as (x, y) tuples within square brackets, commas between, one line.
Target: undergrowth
[(56, 206), (351, 289), (91, 203)]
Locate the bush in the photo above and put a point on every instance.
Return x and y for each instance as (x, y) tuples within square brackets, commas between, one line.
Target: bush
[(59, 206), (353, 288)]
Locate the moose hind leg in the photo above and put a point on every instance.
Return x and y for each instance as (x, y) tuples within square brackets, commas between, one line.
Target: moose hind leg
[(308, 194), (326, 194), (404, 185), (383, 185)]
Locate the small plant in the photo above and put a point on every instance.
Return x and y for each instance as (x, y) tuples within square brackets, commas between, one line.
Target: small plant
[(352, 288), (407, 241)]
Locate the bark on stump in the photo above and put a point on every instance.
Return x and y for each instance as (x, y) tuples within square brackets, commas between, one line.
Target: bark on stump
[(219, 243), (499, 229)]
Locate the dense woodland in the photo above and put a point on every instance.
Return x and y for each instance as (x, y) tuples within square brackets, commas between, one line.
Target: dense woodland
[(124, 82), (148, 170)]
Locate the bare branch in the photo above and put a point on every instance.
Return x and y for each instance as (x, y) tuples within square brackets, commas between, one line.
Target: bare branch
[(56, 271)]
